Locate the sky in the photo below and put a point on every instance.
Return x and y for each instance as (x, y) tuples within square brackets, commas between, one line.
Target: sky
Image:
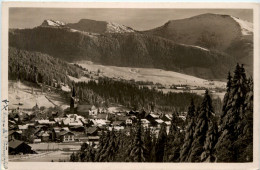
[(138, 19)]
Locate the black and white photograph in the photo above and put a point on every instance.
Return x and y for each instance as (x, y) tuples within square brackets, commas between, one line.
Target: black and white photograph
[(130, 85)]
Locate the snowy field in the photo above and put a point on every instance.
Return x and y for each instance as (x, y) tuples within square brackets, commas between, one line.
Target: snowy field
[(25, 96), (47, 152), (149, 74)]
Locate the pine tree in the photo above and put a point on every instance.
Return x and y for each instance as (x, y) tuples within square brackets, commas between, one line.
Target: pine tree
[(201, 130), (245, 139), (129, 142), (174, 142), (160, 144), (191, 112), (186, 147), (102, 147), (153, 152), (148, 143), (188, 139), (209, 146), (83, 147), (138, 151), (89, 155), (73, 157), (122, 143), (110, 148), (236, 118)]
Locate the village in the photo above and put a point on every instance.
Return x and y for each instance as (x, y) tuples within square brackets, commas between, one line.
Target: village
[(67, 129)]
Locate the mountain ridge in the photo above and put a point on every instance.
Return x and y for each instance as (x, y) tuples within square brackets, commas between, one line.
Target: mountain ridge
[(224, 33), (134, 49), (89, 25)]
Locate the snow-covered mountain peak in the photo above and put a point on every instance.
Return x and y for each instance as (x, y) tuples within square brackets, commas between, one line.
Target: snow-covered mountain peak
[(52, 23)]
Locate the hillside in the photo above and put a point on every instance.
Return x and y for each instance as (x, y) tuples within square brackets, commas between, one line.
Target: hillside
[(39, 68), (128, 49), (212, 31)]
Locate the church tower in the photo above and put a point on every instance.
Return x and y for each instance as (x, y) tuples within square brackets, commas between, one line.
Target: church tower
[(73, 101)]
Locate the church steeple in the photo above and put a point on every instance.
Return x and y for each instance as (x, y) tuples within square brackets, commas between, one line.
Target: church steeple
[(73, 92), (73, 100)]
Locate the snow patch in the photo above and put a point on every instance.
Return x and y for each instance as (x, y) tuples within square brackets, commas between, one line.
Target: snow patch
[(205, 49), (117, 28), (246, 27), (52, 23)]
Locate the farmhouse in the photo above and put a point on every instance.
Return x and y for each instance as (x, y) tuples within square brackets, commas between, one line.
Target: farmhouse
[(17, 147), (12, 135), (67, 136)]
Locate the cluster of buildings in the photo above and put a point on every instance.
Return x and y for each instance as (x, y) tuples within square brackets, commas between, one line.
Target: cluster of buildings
[(79, 123)]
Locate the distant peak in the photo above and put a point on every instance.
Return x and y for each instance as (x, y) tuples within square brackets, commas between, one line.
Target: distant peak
[(89, 20), (94, 26), (205, 15), (212, 14), (52, 23)]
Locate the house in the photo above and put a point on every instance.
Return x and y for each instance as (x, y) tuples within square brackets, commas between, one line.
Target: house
[(17, 147), (81, 138), (45, 136), (83, 109), (159, 122), (165, 118), (12, 124), (118, 123), (116, 128), (145, 123), (93, 110), (23, 128), (86, 109), (167, 125), (129, 121), (77, 128), (99, 122), (45, 122), (42, 127), (71, 121), (132, 113), (14, 135), (37, 141), (182, 117), (56, 133), (92, 131), (67, 136), (93, 140), (102, 116), (59, 120), (152, 119)]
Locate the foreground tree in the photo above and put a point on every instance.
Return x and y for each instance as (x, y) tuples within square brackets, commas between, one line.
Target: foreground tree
[(236, 129), (160, 144), (138, 151), (174, 142), (204, 120), (110, 148), (189, 131)]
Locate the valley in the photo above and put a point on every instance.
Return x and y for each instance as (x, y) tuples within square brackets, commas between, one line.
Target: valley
[(100, 91)]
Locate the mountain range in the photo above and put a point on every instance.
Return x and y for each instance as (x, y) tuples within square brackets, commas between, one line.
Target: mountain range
[(206, 46)]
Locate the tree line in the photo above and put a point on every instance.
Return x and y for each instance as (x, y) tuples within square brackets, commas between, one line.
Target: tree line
[(204, 139), (133, 96)]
